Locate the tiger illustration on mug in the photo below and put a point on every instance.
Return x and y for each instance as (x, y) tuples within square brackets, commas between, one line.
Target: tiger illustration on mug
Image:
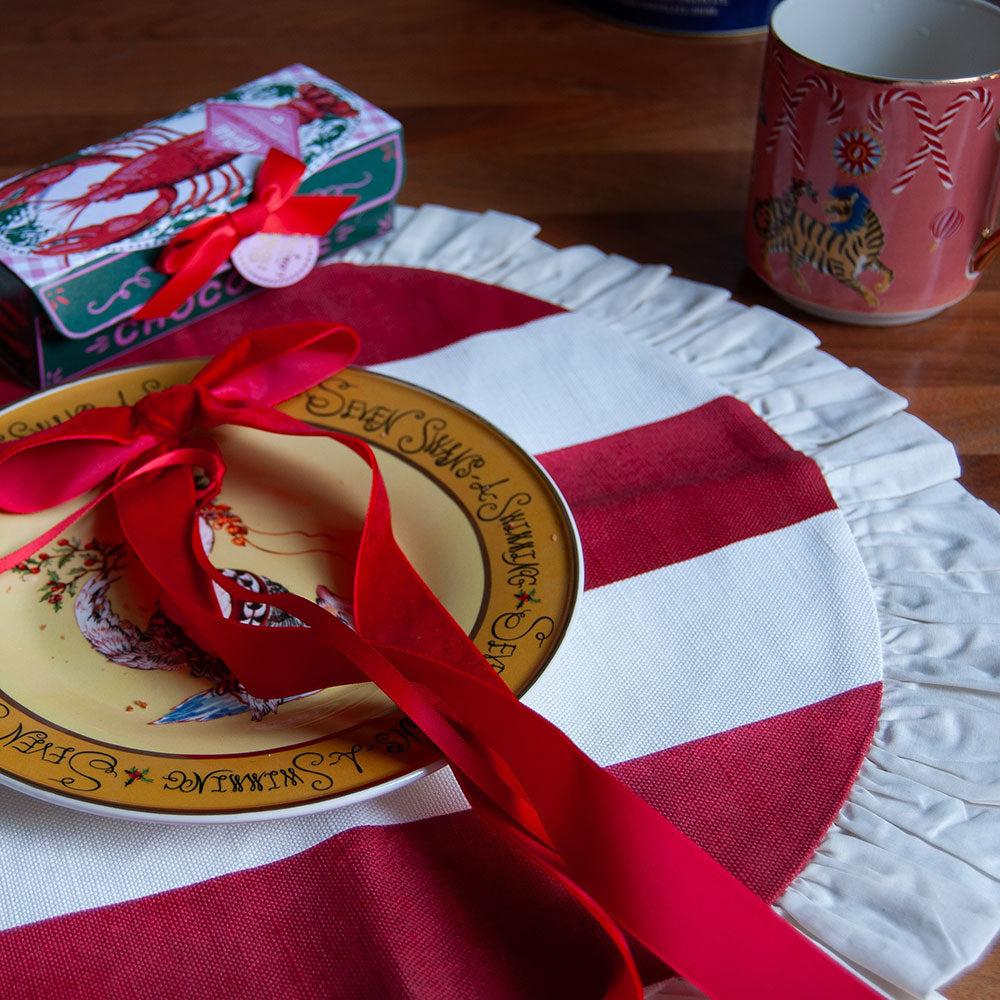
[(850, 242)]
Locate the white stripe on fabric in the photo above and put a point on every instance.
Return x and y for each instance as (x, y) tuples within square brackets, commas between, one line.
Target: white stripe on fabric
[(558, 381), (724, 623)]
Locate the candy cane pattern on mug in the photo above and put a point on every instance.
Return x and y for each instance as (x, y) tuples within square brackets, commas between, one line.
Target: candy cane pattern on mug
[(790, 101), (931, 131)]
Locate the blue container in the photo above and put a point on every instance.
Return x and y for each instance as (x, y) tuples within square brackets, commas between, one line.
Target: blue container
[(690, 17)]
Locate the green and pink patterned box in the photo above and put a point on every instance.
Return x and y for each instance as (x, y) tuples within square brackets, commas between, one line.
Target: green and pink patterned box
[(80, 237)]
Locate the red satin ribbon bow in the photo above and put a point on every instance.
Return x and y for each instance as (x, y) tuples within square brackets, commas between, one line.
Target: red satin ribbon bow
[(195, 254), (630, 868)]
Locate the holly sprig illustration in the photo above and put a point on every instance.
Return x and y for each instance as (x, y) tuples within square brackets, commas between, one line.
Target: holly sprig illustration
[(525, 596), (63, 566), (133, 774)]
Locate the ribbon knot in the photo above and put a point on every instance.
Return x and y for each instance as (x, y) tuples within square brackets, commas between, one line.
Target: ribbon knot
[(249, 219), (195, 254), (170, 414)]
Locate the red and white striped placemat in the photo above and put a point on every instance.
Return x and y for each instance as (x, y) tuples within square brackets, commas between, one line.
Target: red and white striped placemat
[(787, 643)]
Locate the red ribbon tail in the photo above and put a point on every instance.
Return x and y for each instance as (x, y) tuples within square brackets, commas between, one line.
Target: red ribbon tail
[(12, 559), (313, 215), (273, 364), (193, 263)]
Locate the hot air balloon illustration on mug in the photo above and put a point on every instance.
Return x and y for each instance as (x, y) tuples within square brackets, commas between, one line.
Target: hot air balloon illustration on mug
[(946, 223)]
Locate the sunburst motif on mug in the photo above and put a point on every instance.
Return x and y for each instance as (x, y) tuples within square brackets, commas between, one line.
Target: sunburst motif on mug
[(857, 152)]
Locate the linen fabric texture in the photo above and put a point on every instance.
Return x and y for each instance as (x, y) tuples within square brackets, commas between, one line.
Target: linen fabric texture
[(786, 643)]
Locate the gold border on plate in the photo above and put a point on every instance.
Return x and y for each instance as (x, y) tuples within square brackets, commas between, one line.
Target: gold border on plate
[(530, 581)]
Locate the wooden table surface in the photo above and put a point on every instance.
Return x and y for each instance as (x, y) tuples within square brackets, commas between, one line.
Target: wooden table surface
[(636, 142)]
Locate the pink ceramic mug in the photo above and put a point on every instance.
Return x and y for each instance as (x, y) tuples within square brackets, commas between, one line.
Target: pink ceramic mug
[(875, 181)]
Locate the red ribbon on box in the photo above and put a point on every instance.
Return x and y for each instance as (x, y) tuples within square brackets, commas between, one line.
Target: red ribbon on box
[(632, 869), (195, 254)]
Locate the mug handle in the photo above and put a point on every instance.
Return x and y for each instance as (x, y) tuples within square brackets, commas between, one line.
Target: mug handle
[(986, 250)]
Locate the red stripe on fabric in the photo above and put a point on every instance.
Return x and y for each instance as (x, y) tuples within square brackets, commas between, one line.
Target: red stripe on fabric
[(439, 909), (672, 490), (759, 798), (397, 311)]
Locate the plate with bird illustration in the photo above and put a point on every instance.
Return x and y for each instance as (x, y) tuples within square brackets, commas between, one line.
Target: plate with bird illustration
[(105, 703)]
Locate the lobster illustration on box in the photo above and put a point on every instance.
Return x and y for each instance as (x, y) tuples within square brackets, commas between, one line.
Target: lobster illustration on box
[(81, 237), (153, 160)]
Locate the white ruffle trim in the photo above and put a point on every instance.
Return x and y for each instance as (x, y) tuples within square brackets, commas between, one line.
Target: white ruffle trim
[(906, 885)]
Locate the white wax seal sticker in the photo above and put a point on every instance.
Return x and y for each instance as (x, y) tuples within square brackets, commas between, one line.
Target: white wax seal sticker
[(274, 260)]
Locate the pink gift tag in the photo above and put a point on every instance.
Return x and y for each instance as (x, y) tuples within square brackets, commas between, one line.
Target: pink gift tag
[(239, 128), (274, 260)]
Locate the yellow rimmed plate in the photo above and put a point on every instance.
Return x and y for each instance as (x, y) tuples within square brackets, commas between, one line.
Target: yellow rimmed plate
[(105, 706)]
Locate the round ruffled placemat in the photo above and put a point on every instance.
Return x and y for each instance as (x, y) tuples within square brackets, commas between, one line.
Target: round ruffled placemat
[(903, 886)]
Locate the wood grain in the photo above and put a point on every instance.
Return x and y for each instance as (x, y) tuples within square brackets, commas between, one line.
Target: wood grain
[(636, 142)]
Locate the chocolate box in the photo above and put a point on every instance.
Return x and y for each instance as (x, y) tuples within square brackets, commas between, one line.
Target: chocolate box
[(80, 237)]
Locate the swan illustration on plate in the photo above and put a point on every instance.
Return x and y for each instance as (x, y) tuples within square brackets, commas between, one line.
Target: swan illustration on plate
[(86, 573)]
